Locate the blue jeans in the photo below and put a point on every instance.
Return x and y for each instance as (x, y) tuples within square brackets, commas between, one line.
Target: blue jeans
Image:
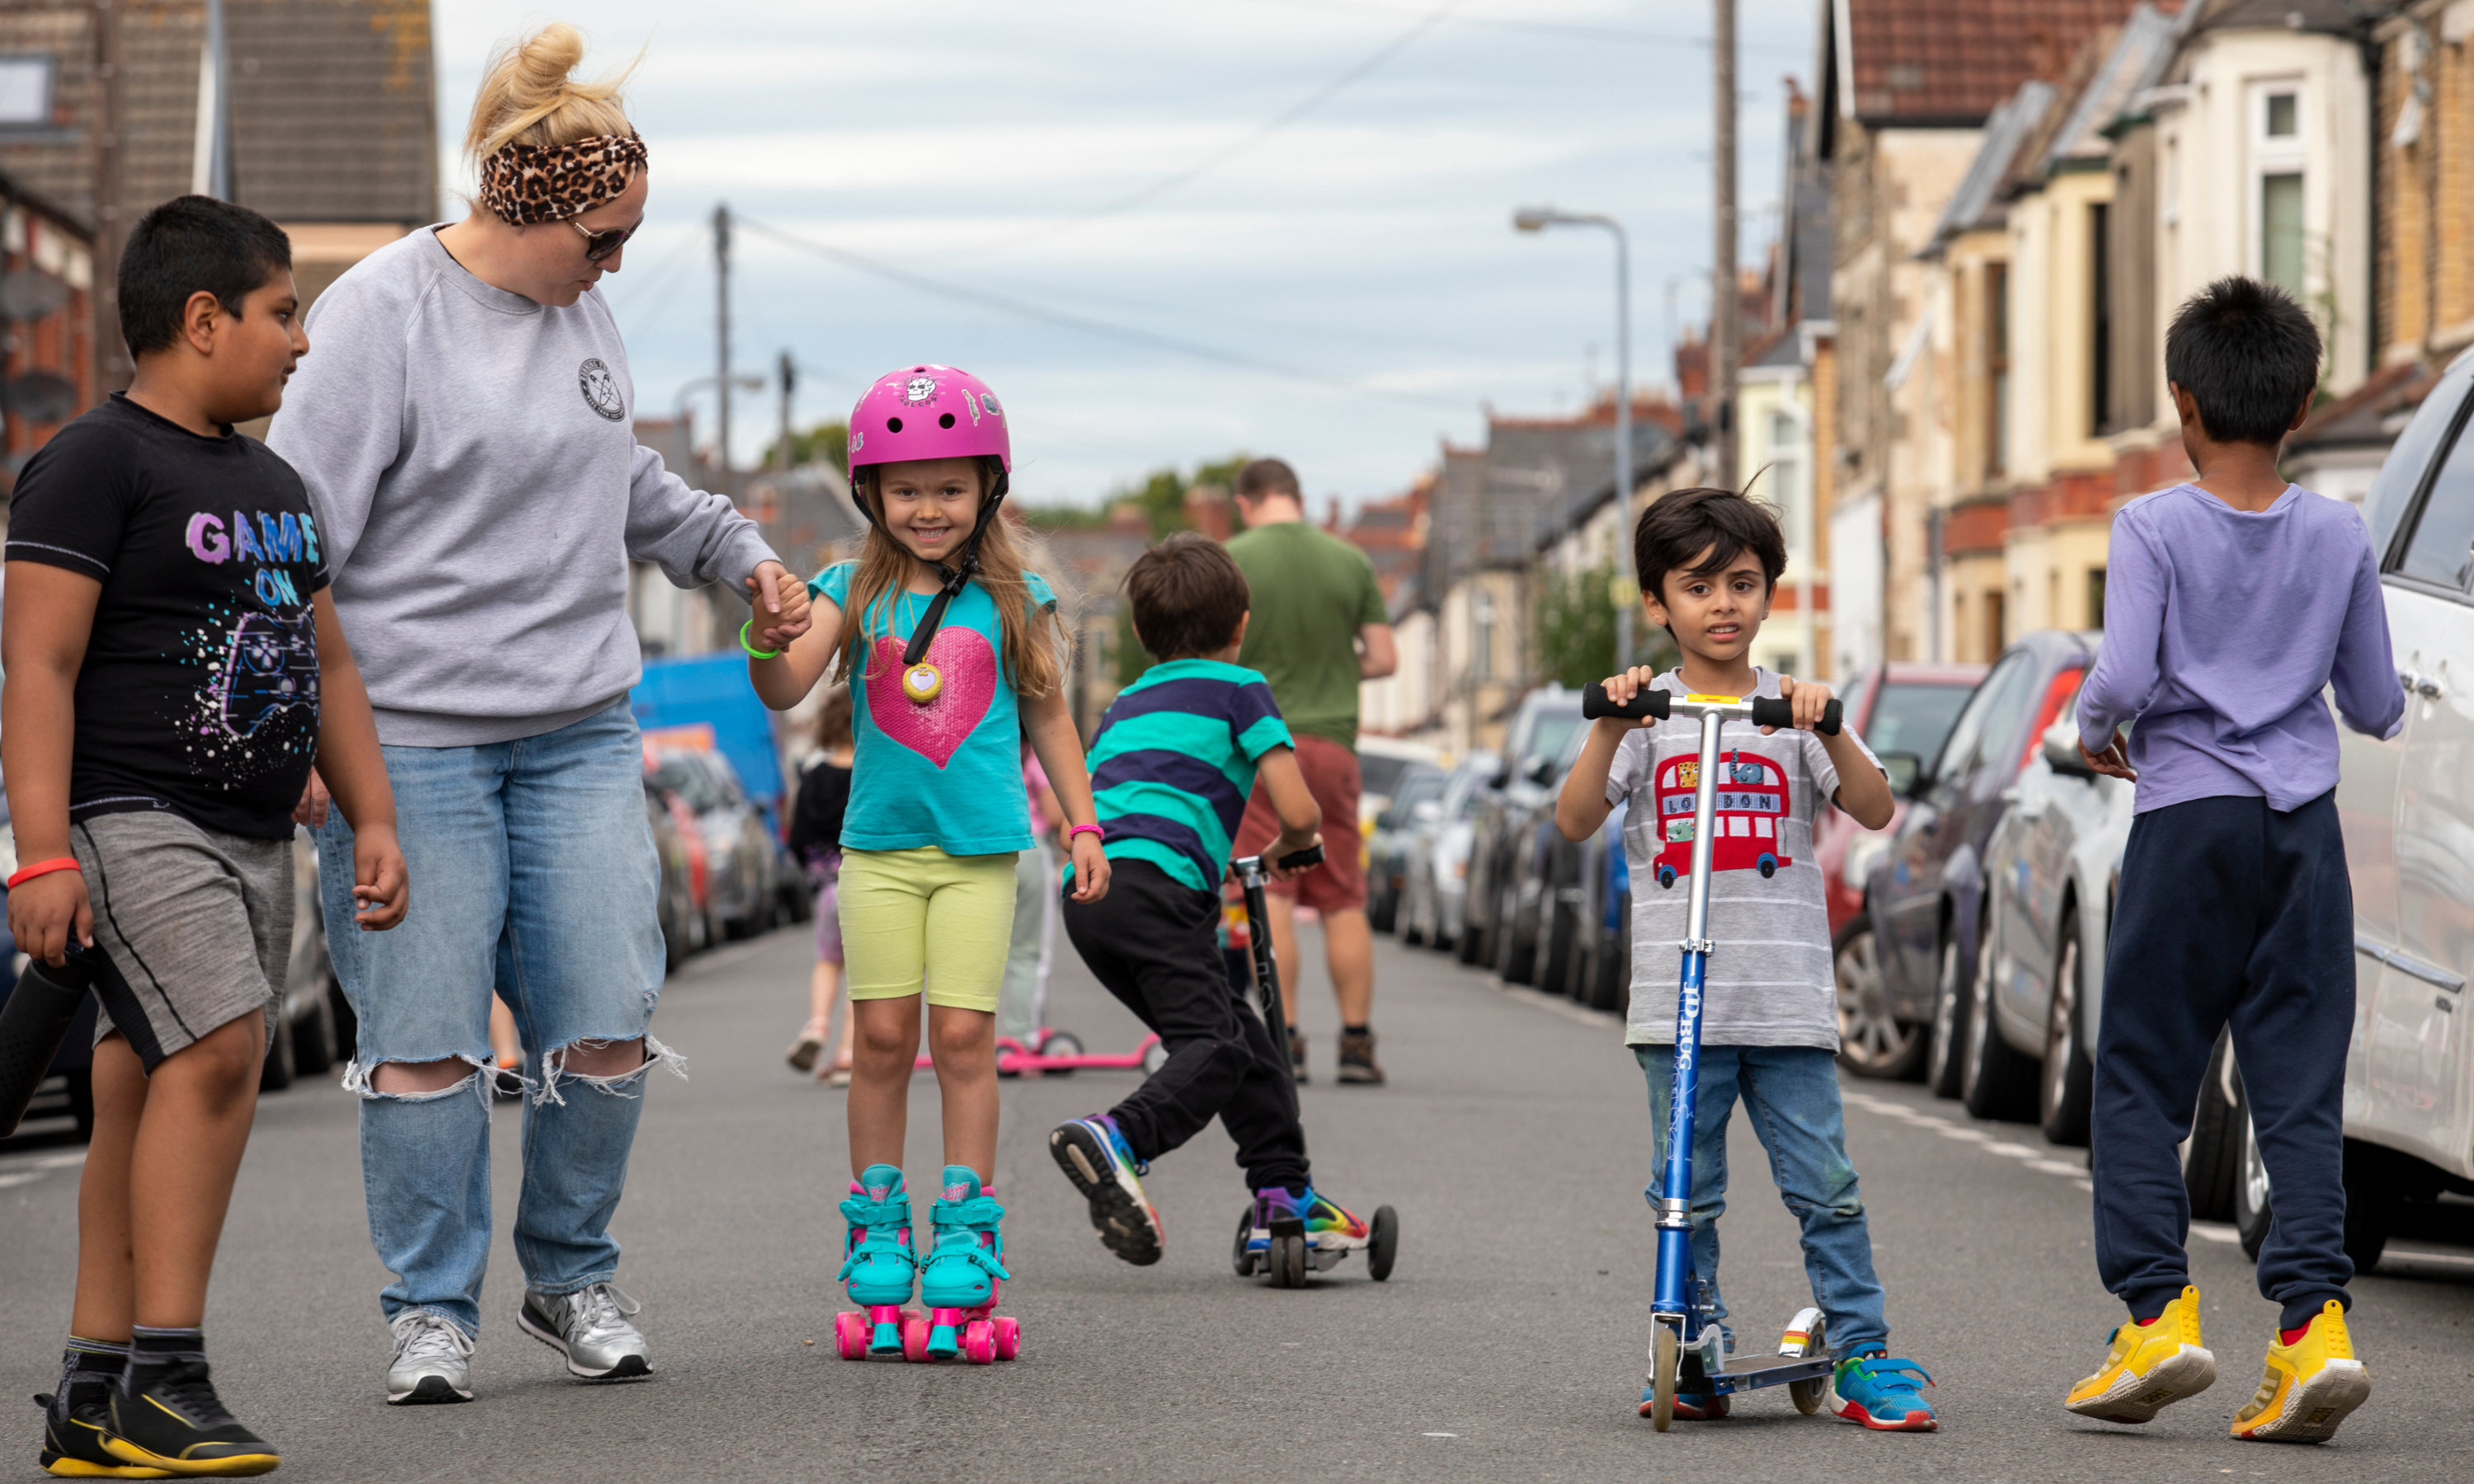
[(1791, 1095), (533, 874)]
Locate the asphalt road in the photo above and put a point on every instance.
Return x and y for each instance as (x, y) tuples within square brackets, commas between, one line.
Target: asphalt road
[(1508, 1344)]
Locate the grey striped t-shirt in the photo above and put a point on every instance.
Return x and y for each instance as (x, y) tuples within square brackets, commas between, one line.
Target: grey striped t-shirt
[(1768, 981)]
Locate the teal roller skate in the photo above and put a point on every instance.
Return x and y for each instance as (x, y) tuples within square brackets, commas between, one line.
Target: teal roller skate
[(879, 1265), (958, 1284)]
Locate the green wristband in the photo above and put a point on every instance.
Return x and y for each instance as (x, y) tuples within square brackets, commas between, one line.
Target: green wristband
[(752, 650)]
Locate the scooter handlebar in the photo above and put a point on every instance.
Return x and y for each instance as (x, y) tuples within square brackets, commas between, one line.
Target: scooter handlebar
[(1644, 703), (1768, 713)]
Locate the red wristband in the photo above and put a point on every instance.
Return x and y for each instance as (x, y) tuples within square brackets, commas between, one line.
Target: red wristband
[(44, 868), (1082, 829)]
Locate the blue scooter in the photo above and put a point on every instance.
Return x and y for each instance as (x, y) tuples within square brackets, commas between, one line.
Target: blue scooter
[(1680, 1332)]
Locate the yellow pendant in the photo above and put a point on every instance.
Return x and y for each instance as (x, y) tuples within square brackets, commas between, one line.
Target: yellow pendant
[(922, 683)]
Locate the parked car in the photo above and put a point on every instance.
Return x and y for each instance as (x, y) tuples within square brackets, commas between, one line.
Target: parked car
[(1437, 855), (1898, 709), (1924, 895), (680, 904), (1505, 821), (2051, 874), (314, 1025), (744, 864), (1588, 952), (1387, 846)]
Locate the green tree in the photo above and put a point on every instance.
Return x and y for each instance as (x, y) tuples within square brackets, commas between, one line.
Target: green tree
[(1576, 631), (827, 442)]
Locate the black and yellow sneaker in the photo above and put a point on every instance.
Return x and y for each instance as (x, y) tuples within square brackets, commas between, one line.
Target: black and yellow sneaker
[(178, 1424), (73, 1445)]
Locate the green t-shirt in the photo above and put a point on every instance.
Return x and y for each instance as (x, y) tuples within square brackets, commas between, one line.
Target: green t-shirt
[(1312, 592)]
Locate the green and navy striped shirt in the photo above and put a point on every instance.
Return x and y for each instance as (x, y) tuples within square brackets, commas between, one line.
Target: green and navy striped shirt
[(1173, 764)]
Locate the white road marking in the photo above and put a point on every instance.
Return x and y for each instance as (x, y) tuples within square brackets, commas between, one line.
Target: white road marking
[(2015, 1150), (2214, 1230), (1443, 1434)]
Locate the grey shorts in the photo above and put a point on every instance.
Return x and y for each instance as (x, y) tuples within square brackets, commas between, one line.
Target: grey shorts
[(198, 923)]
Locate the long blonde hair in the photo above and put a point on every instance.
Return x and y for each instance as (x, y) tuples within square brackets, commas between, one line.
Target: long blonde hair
[(1033, 645), (530, 95)]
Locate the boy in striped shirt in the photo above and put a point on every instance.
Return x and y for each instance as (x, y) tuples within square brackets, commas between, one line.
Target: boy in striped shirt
[(1171, 767)]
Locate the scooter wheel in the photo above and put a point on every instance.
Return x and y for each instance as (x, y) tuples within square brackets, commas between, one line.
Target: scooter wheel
[(1008, 1336), (1061, 1043), (850, 1335), (1382, 1242), (1807, 1396), (1665, 1363), (1239, 1257), (1288, 1263), (980, 1343), (914, 1336)]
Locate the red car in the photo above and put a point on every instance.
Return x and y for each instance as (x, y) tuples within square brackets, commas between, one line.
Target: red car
[(1895, 708)]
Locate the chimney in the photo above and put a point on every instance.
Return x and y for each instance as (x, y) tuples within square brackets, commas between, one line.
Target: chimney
[(1126, 517), (1331, 523), (1206, 510)]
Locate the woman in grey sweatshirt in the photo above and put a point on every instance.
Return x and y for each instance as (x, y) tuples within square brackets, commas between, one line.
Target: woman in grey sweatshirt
[(464, 429)]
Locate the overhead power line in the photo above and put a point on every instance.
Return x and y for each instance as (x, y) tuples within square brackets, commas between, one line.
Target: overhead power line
[(1575, 29)]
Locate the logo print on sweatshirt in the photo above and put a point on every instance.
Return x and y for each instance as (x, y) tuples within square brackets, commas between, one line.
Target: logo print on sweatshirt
[(600, 389)]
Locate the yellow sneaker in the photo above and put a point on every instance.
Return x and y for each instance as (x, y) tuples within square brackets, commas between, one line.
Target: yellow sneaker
[(2311, 1385), (2150, 1368)]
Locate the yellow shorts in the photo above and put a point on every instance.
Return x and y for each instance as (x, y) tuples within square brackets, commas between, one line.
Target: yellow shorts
[(923, 916)]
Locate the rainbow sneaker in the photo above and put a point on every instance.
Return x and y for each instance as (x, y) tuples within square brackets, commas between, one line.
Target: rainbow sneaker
[(1094, 1155), (958, 1281), (879, 1264), (1331, 1229), (2312, 1384), (2150, 1366)]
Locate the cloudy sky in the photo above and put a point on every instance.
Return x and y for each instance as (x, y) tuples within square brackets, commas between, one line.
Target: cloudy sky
[(1167, 232)]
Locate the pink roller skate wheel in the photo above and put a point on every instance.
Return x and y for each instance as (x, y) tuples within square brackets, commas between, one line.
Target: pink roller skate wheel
[(1008, 1337), (850, 1335), (914, 1336), (980, 1343)]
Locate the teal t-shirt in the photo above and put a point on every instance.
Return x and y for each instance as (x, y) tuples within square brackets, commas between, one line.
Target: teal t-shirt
[(1173, 764), (949, 773)]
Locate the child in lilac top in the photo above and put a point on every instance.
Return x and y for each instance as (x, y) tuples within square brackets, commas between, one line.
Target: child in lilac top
[(2232, 601)]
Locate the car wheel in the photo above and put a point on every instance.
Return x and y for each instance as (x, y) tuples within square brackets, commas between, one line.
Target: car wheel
[(2212, 1155), (2065, 1085), (81, 1080), (1556, 950), (1515, 963), (1412, 916), (313, 1036), (1943, 1061), (1995, 1081), (277, 1073), (347, 1024), (1611, 964), (1871, 1043), (1469, 947), (2253, 1211), (2372, 1201)]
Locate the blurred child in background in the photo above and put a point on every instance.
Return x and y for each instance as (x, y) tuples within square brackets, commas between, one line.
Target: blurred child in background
[(816, 844)]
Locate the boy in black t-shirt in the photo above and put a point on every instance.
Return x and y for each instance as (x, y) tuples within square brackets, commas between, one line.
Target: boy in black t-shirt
[(174, 666)]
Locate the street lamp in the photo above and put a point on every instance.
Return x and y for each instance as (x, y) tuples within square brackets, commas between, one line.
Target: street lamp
[(1537, 218)]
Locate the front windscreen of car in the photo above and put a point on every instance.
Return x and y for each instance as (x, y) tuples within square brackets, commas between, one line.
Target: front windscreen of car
[(1553, 730), (1913, 718), (1377, 772), (679, 774)]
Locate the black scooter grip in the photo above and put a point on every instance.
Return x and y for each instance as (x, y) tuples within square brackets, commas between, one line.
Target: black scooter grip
[(1780, 712), (1648, 702), (1302, 860), (33, 1025)]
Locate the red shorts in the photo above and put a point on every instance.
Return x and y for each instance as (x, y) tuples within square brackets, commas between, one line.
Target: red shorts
[(1339, 883)]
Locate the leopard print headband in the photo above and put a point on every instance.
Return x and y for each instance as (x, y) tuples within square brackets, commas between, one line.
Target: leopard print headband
[(524, 183)]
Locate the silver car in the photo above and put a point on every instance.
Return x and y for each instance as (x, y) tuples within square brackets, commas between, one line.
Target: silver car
[(1435, 894)]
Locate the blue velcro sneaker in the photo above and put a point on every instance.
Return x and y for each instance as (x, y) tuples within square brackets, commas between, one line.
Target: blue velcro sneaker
[(1882, 1392)]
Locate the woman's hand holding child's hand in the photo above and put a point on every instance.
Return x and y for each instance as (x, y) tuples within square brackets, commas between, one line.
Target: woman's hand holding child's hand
[(1090, 868), (1807, 697), (49, 912), (786, 616), (380, 886)]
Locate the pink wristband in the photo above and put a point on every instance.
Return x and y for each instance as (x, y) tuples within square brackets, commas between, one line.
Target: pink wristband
[(1080, 829)]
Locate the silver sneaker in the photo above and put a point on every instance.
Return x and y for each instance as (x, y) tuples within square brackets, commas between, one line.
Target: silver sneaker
[(432, 1360), (589, 1328)]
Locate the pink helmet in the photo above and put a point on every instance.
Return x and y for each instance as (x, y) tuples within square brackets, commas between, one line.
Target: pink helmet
[(928, 412)]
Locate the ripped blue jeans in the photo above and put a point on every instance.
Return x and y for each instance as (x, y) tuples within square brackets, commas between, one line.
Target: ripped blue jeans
[(533, 872), (1791, 1095)]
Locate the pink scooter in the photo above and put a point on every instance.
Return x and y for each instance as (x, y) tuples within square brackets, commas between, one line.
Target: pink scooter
[(1060, 1054)]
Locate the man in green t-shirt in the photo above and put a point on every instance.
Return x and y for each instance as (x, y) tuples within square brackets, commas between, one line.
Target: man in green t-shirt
[(1318, 626)]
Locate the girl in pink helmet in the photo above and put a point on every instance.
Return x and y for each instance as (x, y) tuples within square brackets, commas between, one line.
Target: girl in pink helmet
[(953, 653)]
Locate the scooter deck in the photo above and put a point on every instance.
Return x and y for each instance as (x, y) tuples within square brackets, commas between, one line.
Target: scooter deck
[(1749, 1372)]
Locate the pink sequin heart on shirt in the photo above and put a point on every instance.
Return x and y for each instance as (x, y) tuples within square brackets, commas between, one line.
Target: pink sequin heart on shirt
[(937, 730)]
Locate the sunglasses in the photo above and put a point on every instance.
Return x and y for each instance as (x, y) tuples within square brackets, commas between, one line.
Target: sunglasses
[(599, 245)]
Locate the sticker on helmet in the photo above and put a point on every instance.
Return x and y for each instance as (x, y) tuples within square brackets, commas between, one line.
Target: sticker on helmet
[(973, 404), (988, 401), (918, 390), (856, 440)]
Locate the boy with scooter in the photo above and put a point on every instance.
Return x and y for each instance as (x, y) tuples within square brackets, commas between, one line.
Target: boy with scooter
[(1172, 766), (1763, 1005), (2235, 603)]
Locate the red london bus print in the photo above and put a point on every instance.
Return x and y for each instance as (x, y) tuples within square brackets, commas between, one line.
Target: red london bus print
[(1746, 826)]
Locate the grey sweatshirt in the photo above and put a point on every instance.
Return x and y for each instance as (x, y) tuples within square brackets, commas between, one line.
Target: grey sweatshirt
[(480, 491)]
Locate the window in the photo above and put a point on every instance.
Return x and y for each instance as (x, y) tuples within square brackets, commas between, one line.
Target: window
[(1993, 637), (2095, 597), (1912, 717), (25, 92), (1786, 474), (1995, 695), (2442, 548), (1482, 636), (2277, 187), (1997, 369), (2099, 319)]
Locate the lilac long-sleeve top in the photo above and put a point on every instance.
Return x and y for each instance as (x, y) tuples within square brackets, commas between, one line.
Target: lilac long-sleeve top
[(2221, 627)]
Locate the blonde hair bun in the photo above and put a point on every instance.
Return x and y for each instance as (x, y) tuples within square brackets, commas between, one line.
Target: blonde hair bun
[(530, 95)]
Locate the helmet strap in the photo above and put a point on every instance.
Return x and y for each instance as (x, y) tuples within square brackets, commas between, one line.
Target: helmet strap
[(953, 578)]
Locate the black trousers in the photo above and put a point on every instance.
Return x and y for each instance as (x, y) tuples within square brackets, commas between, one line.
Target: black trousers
[(2230, 913), (1154, 942)]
